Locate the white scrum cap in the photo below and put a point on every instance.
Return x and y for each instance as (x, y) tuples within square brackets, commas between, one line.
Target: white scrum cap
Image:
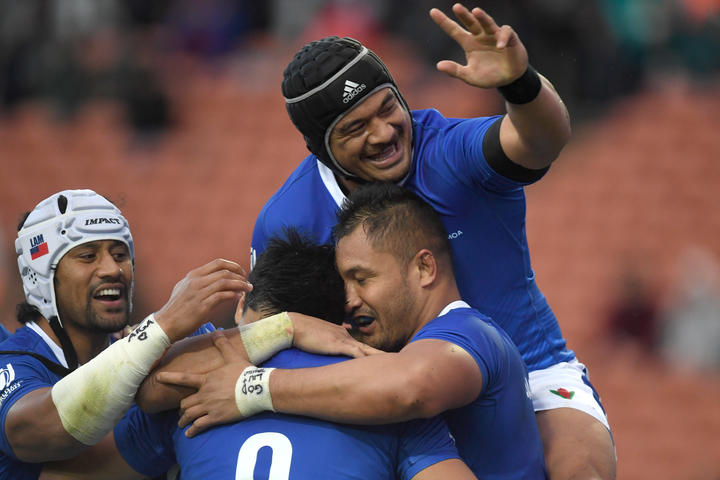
[(56, 225)]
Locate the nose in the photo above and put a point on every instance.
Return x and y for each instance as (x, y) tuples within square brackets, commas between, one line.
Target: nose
[(107, 266), (352, 300), (380, 131)]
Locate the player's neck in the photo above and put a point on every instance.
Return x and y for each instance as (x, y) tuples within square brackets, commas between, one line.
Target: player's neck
[(87, 345), (437, 298)]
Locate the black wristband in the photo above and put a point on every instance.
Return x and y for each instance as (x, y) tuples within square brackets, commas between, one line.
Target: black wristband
[(523, 90)]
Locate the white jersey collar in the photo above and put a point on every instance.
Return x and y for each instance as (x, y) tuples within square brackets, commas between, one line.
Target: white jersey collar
[(453, 306), (332, 185), (53, 346), (328, 178)]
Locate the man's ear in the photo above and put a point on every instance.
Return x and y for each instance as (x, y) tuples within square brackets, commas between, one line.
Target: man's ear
[(427, 266), (239, 310)]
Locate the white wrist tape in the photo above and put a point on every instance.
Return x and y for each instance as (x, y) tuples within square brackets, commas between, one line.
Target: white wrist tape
[(266, 337), (92, 399), (252, 391)]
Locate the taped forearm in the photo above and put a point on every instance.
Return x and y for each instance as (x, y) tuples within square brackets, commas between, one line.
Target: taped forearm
[(266, 337), (92, 399)]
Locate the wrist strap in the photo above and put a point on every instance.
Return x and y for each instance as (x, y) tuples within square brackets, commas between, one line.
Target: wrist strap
[(252, 391), (524, 89), (266, 337)]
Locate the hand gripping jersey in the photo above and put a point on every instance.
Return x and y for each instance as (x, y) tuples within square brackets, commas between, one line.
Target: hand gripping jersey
[(273, 445), (496, 434), (483, 212)]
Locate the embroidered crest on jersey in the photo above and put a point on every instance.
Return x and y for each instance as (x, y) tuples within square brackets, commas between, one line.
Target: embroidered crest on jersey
[(561, 392)]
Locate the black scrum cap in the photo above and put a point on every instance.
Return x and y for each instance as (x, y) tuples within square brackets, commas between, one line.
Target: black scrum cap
[(323, 82)]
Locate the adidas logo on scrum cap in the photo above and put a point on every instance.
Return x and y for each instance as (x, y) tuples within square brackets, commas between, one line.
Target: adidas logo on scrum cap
[(351, 90)]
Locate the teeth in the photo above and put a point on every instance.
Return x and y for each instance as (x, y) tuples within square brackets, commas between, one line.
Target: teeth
[(105, 292), (389, 151)]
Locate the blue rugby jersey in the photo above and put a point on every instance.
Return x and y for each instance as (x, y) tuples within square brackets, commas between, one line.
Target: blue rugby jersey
[(20, 375), (483, 212), (289, 446), (496, 434)]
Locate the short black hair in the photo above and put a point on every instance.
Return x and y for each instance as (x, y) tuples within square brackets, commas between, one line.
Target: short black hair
[(27, 313), (394, 219), (296, 274)]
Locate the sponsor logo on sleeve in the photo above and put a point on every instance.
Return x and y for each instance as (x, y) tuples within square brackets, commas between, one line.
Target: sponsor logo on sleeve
[(7, 382)]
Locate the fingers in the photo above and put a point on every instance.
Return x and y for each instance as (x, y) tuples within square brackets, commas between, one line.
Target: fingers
[(446, 24), (469, 20), (449, 67), (219, 264), (190, 414), (486, 22), (368, 350), (183, 379), (505, 36), (199, 426), (229, 353)]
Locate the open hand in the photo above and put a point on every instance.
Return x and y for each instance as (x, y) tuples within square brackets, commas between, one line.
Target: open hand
[(214, 402), (495, 56)]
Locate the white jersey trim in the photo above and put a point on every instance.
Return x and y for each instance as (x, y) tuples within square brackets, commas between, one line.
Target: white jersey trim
[(453, 306), (328, 178), (57, 351)]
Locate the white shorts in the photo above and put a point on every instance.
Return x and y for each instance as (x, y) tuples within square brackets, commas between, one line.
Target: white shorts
[(566, 385)]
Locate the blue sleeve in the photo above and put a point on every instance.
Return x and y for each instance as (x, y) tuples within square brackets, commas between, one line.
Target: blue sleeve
[(19, 376), (471, 333), (458, 147), (423, 443), (145, 441)]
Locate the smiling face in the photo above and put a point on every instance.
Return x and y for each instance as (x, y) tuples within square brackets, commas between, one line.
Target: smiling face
[(92, 286), (373, 140), (381, 293)]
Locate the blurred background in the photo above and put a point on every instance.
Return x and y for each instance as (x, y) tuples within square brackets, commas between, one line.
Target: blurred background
[(173, 110)]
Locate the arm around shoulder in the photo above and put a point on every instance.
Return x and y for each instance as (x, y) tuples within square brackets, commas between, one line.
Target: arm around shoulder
[(424, 379)]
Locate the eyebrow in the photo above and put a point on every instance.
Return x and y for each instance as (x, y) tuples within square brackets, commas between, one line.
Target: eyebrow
[(353, 271), (342, 130)]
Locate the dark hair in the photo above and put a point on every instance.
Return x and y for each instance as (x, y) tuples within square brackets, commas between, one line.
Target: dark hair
[(294, 273), (23, 217), (394, 219), (27, 313)]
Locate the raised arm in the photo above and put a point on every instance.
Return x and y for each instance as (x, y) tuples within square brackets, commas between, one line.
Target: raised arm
[(425, 378), (537, 124)]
